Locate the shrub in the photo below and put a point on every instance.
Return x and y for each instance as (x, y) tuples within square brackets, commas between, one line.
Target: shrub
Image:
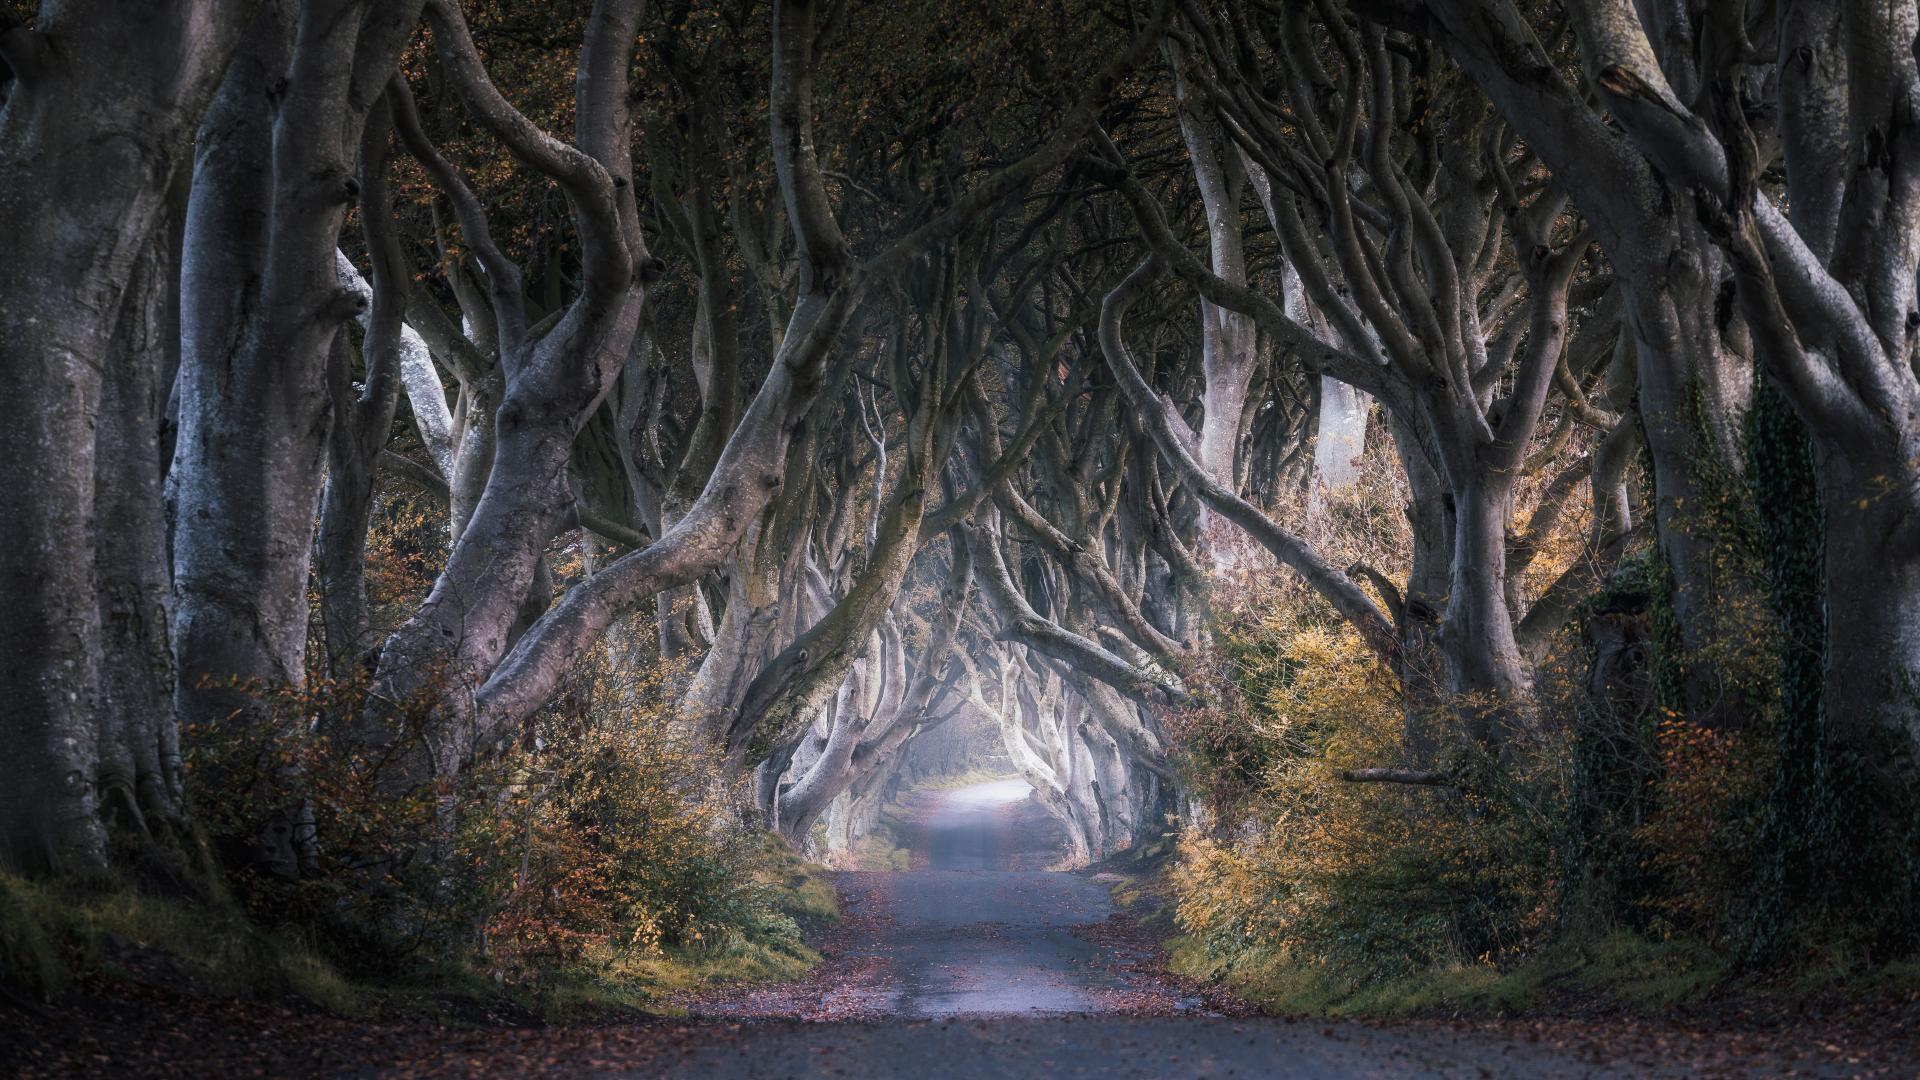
[(606, 833), (1377, 878), (617, 835)]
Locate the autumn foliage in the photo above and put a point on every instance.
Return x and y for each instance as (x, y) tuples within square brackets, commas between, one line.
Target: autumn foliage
[(1597, 817)]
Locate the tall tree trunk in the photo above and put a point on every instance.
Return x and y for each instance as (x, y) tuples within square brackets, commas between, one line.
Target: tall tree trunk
[(1873, 629), (1693, 392), (262, 305), (363, 419), (93, 130), (1340, 433), (140, 738), (1227, 353), (1490, 676)]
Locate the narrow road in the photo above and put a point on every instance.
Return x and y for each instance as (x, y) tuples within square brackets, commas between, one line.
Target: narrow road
[(969, 932), (978, 963)]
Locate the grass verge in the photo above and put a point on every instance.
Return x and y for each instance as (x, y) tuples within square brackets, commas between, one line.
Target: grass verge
[(59, 939), (1617, 972)]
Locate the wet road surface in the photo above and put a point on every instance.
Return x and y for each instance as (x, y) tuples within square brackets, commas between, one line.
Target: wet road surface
[(967, 935), (969, 965)]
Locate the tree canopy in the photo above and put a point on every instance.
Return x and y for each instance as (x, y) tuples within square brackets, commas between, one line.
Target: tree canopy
[(1098, 372)]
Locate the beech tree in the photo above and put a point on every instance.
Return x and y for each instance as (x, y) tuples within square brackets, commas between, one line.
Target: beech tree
[(884, 373), (100, 102)]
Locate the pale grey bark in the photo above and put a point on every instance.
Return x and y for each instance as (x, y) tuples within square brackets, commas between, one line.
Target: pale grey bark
[(1694, 370), (905, 706), (1019, 622), (1827, 298), (262, 307), (1158, 417), (1227, 352), (469, 619), (93, 131), (1340, 433), (139, 772), (1404, 280), (750, 469)]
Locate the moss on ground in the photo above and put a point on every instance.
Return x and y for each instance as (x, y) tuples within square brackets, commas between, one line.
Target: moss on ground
[(800, 887), (54, 937)]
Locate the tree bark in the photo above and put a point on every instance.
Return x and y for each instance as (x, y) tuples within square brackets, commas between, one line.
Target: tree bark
[(263, 305), (94, 128), (363, 420)]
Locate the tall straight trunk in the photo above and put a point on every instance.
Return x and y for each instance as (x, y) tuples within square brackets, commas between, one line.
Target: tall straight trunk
[(340, 550), (262, 311), (246, 467), (139, 770), (1873, 651), (92, 132), (1432, 514), (1340, 433), (1227, 353), (363, 419), (1694, 390), (1489, 674)]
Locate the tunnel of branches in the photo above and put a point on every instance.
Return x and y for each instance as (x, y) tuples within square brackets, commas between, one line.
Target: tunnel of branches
[(863, 376)]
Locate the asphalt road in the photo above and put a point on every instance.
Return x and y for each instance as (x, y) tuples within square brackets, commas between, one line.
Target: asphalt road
[(1113, 1046), (969, 965)]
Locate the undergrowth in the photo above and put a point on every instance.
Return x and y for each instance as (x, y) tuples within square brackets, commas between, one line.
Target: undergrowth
[(1620, 970), (1606, 853), (62, 938), (605, 860)]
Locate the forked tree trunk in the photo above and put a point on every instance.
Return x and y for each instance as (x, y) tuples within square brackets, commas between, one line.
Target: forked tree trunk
[(263, 305)]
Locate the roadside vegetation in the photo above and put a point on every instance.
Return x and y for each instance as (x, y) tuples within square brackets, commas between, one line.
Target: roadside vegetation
[(1578, 871), (62, 941), (604, 863)]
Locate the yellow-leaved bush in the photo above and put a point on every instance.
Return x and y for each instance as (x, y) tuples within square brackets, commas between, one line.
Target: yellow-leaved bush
[(1297, 865), (1377, 878), (616, 834)]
